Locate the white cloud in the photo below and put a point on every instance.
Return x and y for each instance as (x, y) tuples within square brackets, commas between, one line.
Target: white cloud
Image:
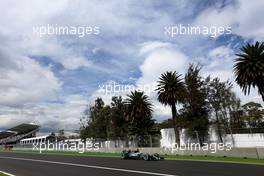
[(113, 18), (245, 17), (147, 47), (75, 62), (70, 58), (19, 21), (51, 116), (219, 63), (23, 80), (107, 90), (161, 57)]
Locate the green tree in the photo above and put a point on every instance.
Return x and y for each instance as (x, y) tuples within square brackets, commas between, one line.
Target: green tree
[(118, 127), (236, 114), (103, 121), (224, 105), (97, 121), (249, 68), (170, 92), (61, 135), (195, 109), (166, 124), (144, 129), (138, 106), (253, 114), (85, 132), (139, 115)]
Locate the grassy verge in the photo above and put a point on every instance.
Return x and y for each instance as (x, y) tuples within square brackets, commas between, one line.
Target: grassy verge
[(2, 174), (217, 159), (70, 153), (168, 157)]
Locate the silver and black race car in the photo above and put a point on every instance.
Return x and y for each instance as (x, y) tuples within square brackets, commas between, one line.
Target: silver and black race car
[(129, 154)]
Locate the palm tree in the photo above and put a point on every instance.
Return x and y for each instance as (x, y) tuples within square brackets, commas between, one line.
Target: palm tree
[(249, 68), (138, 106), (139, 113), (170, 92), (144, 129)]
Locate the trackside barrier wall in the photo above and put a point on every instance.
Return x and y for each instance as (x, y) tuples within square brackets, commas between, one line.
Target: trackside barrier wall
[(257, 153)]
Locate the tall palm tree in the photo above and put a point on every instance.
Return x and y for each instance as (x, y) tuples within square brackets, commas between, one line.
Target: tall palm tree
[(249, 68), (170, 92)]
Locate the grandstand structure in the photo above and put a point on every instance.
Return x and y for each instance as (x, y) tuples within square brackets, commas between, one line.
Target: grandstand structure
[(13, 136), (38, 139)]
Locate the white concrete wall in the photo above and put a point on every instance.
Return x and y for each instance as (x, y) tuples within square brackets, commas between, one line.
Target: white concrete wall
[(251, 152), (248, 140), (240, 140)]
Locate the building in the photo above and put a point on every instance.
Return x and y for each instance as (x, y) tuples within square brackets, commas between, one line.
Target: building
[(38, 139), (14, 135)]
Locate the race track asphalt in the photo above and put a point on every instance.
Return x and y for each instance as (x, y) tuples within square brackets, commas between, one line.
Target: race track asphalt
[(24, 164)]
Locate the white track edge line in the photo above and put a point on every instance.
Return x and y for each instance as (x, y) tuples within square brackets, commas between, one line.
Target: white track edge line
[(6, 173), (89, 166)]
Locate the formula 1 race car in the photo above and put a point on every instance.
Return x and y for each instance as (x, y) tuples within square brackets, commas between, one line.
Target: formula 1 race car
[(128, 154)]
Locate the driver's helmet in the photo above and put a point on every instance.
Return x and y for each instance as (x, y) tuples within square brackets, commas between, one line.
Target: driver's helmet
[(137, 150)]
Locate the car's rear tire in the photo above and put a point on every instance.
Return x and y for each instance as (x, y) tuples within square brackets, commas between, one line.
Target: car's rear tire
[(156, 157)]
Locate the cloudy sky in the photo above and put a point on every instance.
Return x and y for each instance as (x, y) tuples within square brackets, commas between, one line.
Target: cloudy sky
[(50, 79)]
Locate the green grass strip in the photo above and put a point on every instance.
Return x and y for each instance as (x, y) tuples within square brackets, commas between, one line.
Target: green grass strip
[(2, 174), (216, 159)]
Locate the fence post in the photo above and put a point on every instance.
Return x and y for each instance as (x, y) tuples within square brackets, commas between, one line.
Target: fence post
[(150, 140), (257, 152), (232, 137)]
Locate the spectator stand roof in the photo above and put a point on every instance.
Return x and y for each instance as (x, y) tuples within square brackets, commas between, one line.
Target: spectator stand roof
[(17, 130)]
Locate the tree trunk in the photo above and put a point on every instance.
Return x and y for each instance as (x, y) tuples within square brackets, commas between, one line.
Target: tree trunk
[(230, 127), (218, 127), (261, 92), (175, 124)]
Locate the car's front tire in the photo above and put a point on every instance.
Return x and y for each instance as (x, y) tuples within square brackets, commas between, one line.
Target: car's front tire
[(146, 157), (124, 155)]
